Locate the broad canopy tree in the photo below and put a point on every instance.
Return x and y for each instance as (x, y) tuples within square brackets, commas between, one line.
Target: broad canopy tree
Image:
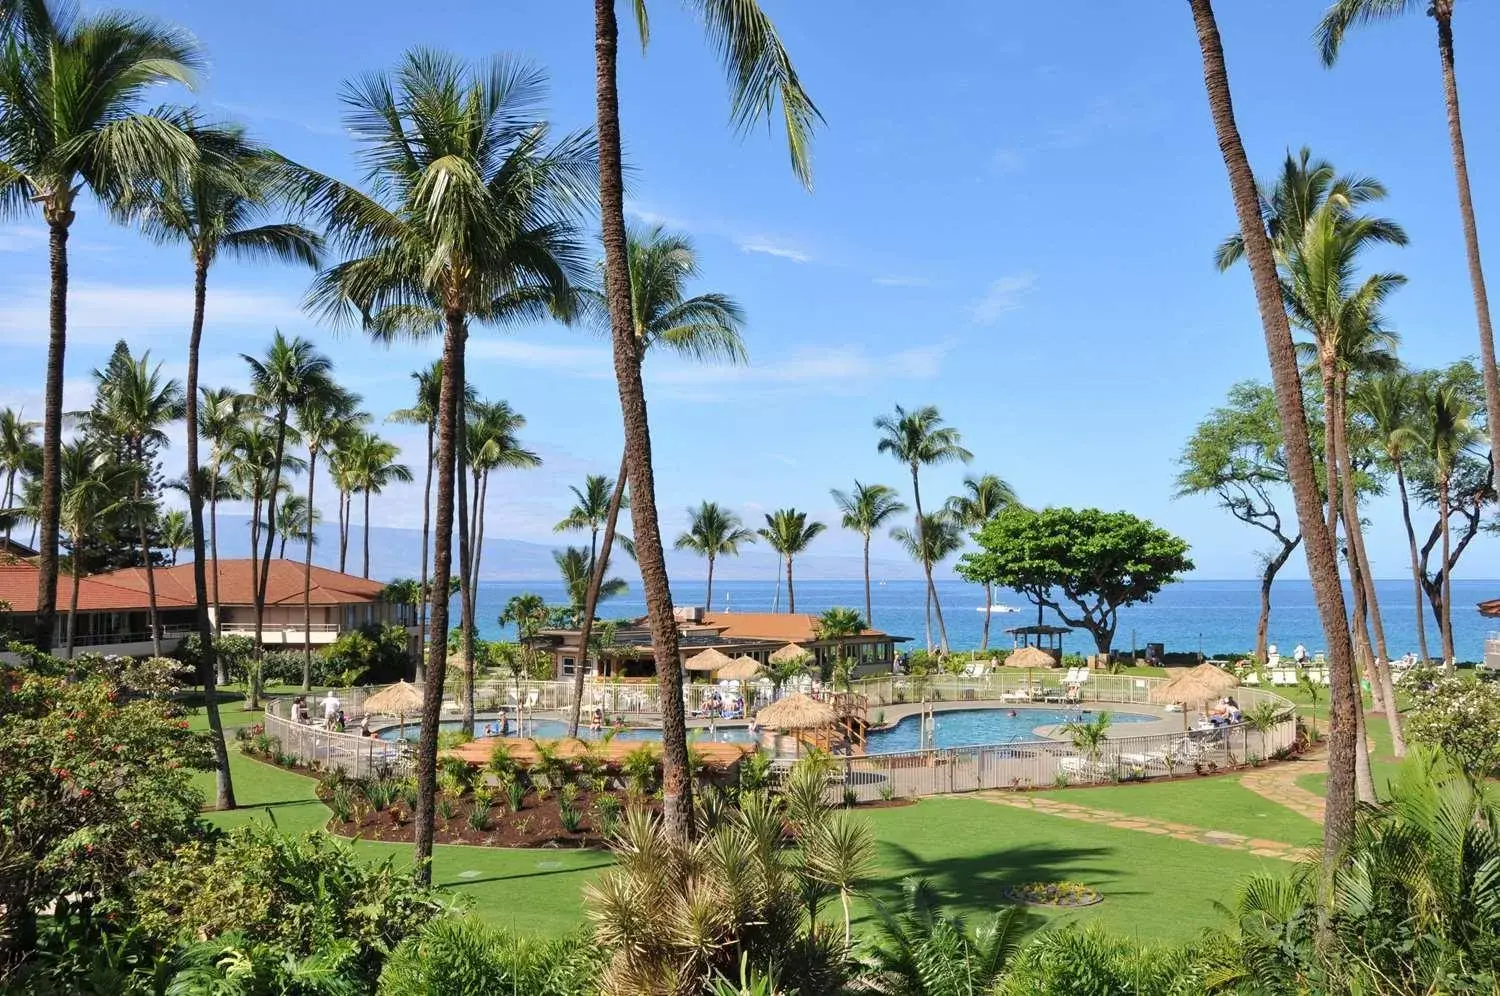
[(1083, 564)]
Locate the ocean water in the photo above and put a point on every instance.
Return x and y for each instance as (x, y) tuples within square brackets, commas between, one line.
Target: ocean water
[(1213, 616)]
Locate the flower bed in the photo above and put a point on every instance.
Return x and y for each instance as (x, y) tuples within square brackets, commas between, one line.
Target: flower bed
[(1054, 895)]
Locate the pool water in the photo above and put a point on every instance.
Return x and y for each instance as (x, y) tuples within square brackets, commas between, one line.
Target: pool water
[(977, 727), (550, 729)]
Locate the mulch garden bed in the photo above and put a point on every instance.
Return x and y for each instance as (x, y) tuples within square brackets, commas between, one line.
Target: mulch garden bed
[(538, 824)]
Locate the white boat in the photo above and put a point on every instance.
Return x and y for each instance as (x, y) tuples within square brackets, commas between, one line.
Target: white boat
[(998, 608)]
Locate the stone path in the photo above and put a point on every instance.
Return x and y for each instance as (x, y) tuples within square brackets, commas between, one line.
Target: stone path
[(1121, 821), (1278, 783)]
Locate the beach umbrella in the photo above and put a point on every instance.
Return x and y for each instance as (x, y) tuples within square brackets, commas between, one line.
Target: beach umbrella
[(789, 652), (396, 700), (708, 660), (740, 669), (1195, 687)]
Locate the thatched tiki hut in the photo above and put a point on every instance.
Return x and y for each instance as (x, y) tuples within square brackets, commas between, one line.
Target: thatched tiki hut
[(400, 700), (1194, 688), (800, 715), (740, 669), (1029, 657), (707, 661)]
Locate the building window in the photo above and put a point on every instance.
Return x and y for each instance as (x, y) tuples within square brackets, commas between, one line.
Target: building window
[(568, 664)]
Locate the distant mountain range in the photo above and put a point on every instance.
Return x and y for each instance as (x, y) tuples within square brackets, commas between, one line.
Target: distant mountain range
[(398, 552)]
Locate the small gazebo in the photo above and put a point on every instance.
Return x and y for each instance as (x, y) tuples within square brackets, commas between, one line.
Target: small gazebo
[(799, 714), (1045, 638)]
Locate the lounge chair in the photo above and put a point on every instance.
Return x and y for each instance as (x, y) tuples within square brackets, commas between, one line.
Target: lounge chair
[(1081, 767), (1252, 679), (1018, 695)]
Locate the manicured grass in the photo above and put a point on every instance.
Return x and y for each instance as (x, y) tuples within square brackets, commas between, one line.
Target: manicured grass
[(1155, 887), (1216, 803)]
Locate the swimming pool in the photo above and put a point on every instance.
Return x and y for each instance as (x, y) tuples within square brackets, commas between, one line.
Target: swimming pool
[(551, 729), (976, 727)]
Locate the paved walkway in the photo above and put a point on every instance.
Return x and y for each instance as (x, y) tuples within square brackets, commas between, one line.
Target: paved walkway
[(1121, 821), (1278, 783)]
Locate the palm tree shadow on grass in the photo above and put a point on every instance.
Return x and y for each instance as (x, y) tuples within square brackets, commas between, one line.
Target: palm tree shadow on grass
[(455, 882), (974, 881)]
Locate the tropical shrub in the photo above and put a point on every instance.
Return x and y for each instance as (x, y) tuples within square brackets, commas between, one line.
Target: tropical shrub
[(235, 652), (1073, 961), (918, 947), (299, 896), (372, 654), (461, 957), (1457, 714), (92, 789)]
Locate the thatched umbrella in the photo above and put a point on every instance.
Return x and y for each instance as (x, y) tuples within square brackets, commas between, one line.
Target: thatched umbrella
[(740, 669), (1029, 657), (789, 652), (396, 700), (708, 660), (796, 712), (1202, 684)]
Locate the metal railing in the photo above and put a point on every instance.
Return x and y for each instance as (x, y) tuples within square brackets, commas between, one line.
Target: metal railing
[(104, 639), (359, 756)]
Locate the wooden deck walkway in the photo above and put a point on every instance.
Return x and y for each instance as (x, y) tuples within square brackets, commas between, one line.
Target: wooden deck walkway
[(477, 752)]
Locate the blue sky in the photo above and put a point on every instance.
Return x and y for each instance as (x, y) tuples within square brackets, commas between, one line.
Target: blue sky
[(1014, 213)]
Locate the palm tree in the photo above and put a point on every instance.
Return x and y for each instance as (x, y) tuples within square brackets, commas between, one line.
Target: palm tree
[(70, 121), (838, 625), (1089, 737), (220, 418), (220, 205), (788, 532), (298, 521), (921, 949), (1450, 433), (573, 566), (138, 404), (291, 372), (714, 532), (1391, 402), (472, 219), (342, 471), (174, 531), (919, 439), (95, 488), (703, 328), (323, 418), (590, 510), (18, 452), (760, 73), (866, 509), (982, 497), (1336, 22), (937, 537), (527, 612), (372, 462), (1286, 381)]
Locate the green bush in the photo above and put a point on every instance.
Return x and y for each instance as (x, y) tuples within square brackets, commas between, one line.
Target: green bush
[(234, 653), (375, 654), (460, 957)]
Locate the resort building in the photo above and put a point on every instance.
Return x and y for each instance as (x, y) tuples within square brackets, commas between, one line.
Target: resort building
[(756, 635), (113, 615)]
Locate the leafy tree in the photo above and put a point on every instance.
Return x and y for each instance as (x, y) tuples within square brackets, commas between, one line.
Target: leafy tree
[(1458, 715), (1083, 564), (938, 537), (917, 439), (93, 788), (70, 121), (788, 532), (713, 532), (1236, 454), (1322, 562), (865, 509)]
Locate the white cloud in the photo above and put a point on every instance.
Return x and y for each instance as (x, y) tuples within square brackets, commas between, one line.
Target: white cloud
[(830, 367), (102, 313), (904, 280), (1002, 296), (22, 238), (773, 247), (592, 362)]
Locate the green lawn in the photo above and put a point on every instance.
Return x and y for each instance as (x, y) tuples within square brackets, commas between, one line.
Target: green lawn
[(1217, 803)]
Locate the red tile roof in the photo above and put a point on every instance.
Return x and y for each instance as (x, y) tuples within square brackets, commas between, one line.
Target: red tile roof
[(125, 590), (790, 627)]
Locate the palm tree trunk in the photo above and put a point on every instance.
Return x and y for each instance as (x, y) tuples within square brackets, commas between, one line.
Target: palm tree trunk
[(591, 596), (1447, 616), (10, 496), (1444, 18), (465, 558), (426, 599), (791, 593), (1416, 569), (708, 598), (223, 784), (989, 604), (366, 572), (73, 599), (916, 491), (1364, 778), (252, 691), (213, 541), (869, 614), (265, 559), (1321, 560), (50, 513), (312, 476), (442, 568), (677, 789), (151, 612), (343, 528)]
